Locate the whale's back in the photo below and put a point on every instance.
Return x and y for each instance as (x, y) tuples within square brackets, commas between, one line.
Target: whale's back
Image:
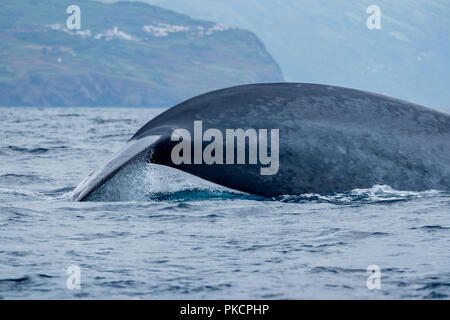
[(331, 139)]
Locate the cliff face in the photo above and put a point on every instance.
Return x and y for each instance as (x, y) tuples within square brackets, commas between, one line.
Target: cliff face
[(125, 54)]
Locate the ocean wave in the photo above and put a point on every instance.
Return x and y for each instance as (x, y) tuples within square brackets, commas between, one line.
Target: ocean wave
[(18, 179), (21, 194), (37, 150), (375, 194)]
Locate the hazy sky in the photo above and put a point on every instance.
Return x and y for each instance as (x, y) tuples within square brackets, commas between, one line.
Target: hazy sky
[(328, 41)]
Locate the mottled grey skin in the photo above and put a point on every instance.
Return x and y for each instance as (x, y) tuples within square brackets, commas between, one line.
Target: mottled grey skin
[(331, 139)]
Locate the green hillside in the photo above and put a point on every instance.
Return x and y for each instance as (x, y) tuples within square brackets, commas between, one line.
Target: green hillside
[(126, 54)]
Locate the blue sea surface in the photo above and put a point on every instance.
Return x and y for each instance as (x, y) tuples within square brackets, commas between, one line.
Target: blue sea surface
[(175, 236)]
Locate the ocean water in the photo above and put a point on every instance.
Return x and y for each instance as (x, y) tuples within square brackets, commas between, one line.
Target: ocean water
[(174, 236)]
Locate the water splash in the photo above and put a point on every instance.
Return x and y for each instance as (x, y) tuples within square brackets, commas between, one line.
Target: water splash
[(141, 181)]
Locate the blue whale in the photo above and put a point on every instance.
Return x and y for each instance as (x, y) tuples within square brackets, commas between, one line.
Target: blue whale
[(331, 139)]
